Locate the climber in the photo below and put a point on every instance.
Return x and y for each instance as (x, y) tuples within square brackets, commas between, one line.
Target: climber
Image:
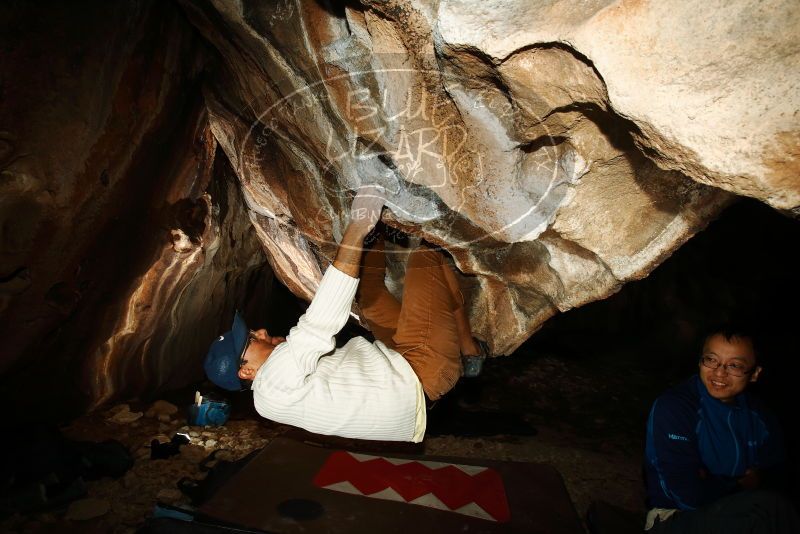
[(362, 390), (713, 451)]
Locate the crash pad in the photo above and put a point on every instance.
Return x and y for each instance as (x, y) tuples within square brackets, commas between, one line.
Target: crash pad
[(291, 486)]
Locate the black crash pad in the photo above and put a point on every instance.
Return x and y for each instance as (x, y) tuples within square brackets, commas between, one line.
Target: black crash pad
[(292, 486)]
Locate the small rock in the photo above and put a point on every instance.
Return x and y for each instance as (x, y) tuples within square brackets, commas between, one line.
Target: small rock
[(207, 434), (86, 509), (211, 443), (130, 479), (193, 453), (194, 434), (169, 495), (124, 417), (142, 452), (161, 407), (226, 455), (118, 408)]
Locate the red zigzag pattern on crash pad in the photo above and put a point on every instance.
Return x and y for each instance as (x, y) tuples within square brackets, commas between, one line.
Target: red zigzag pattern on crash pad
[(451, 484)]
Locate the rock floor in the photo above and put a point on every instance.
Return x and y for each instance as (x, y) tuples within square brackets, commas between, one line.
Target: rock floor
[(589, 420)]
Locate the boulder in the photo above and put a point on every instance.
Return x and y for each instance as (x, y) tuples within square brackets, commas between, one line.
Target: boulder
[(85, 509), (555, 151)]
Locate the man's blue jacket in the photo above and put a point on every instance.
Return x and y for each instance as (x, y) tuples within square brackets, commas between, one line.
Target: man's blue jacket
[(689, 432)]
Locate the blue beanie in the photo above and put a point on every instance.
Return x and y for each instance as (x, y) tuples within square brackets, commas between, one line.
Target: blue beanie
[(222, 360)]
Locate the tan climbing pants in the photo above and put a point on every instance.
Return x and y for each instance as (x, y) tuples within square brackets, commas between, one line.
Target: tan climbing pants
[(423, 329)]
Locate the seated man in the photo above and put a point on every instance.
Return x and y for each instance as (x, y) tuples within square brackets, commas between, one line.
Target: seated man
[(712, 449), (361, 390)]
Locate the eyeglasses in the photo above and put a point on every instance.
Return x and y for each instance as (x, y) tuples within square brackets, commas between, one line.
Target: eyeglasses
[(733, 368), (250, 337)]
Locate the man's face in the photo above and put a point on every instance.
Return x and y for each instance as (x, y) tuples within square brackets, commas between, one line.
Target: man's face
[(736, 352), (258, 350)]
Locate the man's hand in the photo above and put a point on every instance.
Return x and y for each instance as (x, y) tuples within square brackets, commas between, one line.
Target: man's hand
[(365, 212)]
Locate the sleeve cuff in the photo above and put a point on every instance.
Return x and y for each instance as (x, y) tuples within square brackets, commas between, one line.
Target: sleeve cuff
[(334, 296)]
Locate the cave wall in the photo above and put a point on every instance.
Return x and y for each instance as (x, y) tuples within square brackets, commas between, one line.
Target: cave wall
[(124, 243)]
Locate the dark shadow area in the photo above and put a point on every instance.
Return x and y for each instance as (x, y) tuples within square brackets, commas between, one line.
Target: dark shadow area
[(460, 413)]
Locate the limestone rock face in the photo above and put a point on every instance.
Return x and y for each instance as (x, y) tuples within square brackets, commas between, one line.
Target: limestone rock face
[(117, 265), (555, 150)]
